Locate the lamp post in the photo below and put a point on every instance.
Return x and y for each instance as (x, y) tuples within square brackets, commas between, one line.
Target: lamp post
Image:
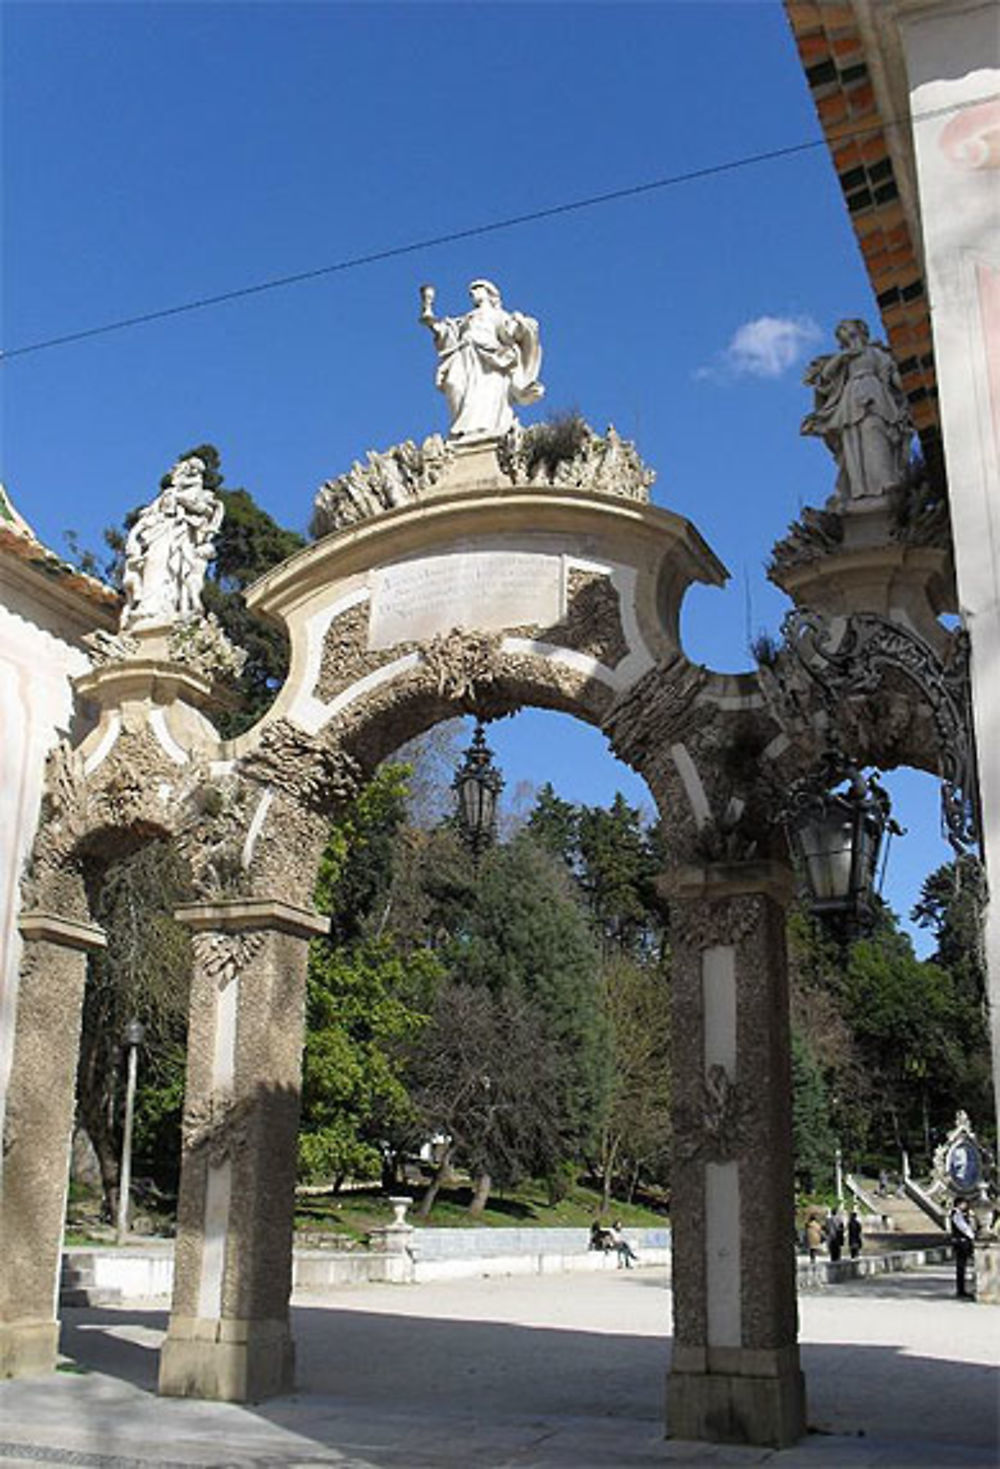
[(135, 1032), (837, 835), (478, 784)]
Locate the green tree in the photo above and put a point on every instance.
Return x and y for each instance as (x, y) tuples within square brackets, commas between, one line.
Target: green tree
[(910, 1025), (520, 937), (635, 1139), (144, 973), (368, 996), (812, 1134)]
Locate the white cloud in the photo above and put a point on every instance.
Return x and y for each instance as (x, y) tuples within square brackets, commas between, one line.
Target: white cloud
[(765, 347)]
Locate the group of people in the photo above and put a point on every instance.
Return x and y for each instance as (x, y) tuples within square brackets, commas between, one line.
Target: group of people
[(833, 1233), (608, 1238)]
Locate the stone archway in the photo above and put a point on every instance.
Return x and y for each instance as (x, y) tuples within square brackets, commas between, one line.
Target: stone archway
[(474, 588)]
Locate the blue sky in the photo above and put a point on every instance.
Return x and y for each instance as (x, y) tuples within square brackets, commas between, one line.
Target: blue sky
[(157, 154)]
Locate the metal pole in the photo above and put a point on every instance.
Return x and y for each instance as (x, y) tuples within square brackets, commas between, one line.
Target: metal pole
[(838, 1166), (125, 1181)]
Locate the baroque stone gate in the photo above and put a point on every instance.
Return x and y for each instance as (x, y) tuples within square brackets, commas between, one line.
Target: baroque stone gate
[(452, 578)]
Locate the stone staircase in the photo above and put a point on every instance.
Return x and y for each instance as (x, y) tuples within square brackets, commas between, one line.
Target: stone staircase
[(902, 1216)]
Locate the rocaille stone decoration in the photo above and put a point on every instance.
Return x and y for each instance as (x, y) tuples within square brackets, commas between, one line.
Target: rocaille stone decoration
[(560, 455), (390, 478), (592, 625), (659, 708), (570, 455), (312, 771)]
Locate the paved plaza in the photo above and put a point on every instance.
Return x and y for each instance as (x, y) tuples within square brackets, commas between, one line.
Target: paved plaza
[(562, 1370)]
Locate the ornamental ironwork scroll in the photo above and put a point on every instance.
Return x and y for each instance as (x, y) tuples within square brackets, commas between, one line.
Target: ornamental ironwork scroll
[(842, 658)]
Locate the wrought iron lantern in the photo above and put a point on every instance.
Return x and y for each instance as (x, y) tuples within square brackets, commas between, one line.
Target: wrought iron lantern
[(478, 783), (837, 836)]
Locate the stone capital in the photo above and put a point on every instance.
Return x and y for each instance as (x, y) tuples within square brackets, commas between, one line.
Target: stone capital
[(237, 914), (721, 880), (69, 933)]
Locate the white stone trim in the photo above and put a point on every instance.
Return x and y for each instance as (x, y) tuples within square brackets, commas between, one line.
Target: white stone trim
[(314, 631), (722, 1254), (218, 1192), (106, 743), (255, 828), (158, 724), (693, 787), (718, 979), (312, 715)]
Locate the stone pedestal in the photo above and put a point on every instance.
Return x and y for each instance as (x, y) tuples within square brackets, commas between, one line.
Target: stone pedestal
[(393, 1242), (987, 1262), (735, 1373), (37, 1136), (229, 1335)]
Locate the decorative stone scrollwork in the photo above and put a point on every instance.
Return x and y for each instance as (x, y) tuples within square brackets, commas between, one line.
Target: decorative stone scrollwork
[(463, 664), (318, 775), (222, 956), (716, 1127), (393, 477), (219, 1126), (828, 673)]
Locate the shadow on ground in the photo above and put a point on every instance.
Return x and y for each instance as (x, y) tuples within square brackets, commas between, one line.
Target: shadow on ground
[(466, 1378)]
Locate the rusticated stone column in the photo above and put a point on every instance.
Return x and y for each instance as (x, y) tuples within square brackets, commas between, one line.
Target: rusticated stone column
[(38, 1133), (229, 1333), (735, 1373)]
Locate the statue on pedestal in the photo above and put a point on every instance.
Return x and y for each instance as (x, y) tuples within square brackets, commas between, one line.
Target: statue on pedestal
[(488, 360), (861, 414), (168, 550)]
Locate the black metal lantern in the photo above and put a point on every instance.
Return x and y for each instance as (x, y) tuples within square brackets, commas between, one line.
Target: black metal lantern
[(478, 783), (837, 835)]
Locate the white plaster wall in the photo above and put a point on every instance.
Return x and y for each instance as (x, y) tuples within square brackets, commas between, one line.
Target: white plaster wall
[(36, 705), (952, 52)]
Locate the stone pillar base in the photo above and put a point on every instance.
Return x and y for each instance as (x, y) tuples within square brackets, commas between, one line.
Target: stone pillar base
[(28, 1348), (762, 1401), (988, 1273), (228, 1361)]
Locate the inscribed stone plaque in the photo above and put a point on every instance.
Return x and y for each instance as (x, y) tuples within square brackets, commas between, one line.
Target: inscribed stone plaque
[(476, 590)]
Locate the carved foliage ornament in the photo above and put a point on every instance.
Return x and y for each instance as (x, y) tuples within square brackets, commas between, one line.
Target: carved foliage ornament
[(718, 1125), (218, 1126), (707, 923), (222, 956)]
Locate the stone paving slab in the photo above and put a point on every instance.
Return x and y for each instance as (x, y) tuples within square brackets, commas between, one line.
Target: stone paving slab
[(531, 1374)]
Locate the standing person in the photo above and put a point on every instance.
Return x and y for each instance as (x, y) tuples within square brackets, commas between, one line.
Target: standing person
[(963, 1237), (814, 1237), (854, 1234), (834, 1234)]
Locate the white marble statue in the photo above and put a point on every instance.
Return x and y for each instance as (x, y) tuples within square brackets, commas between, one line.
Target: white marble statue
[(860, 412), (488, 360), (168, 550)]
